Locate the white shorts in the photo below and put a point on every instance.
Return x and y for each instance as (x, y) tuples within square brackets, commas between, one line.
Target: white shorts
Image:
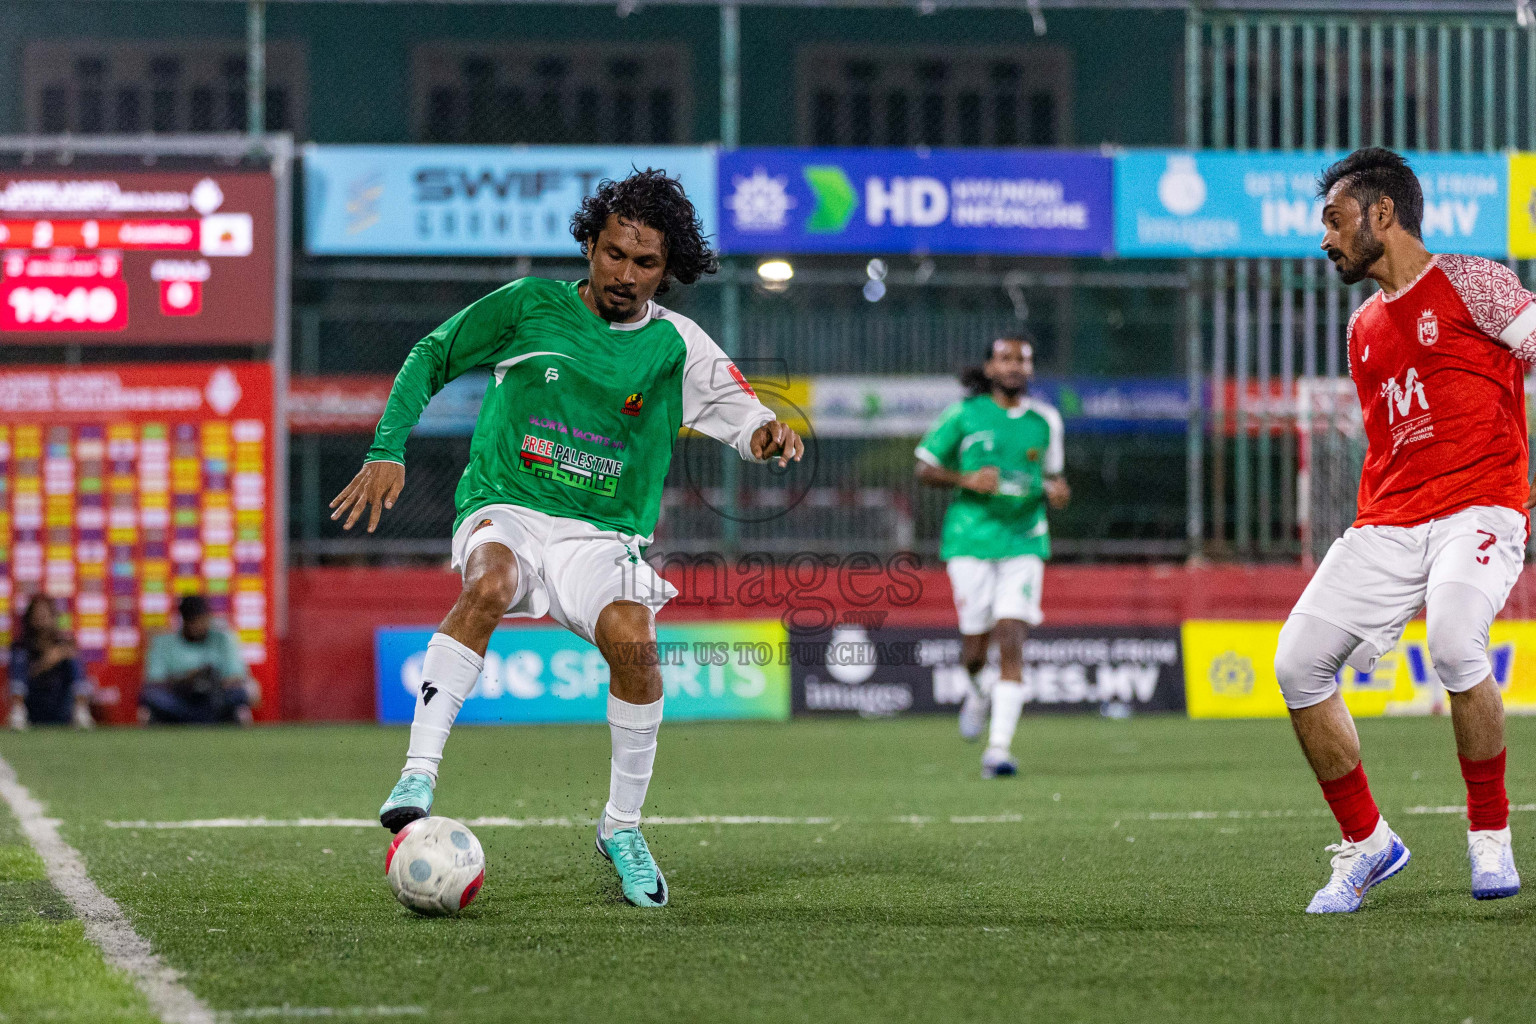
[(1374, 579), (567, 568), (988, 589)]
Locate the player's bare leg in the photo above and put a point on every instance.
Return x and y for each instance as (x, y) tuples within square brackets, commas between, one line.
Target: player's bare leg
[(1007, 699), (626, 636), (1459, 616), (1311, 652), (455, 656), (977, 705)]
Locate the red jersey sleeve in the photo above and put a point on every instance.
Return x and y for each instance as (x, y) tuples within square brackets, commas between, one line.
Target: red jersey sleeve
[(1500, 305)]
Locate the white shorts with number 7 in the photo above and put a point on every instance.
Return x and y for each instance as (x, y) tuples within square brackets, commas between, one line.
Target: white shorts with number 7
[(1376, 578)]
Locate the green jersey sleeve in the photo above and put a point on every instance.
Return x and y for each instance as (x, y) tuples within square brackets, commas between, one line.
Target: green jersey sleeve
[(471, 338), (941, 445)]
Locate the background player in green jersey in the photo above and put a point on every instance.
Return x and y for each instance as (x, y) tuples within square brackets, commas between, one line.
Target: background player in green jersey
[(590, 384), (1001, 452)]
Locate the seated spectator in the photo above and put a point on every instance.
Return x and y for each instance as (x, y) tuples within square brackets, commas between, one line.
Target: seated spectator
[(196, 675), (47, 686)]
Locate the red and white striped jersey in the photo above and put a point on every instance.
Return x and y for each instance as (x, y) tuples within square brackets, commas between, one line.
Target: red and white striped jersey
[(1439, 367)]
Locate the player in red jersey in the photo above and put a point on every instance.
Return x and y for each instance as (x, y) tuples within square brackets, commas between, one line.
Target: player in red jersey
[(1437, 357)]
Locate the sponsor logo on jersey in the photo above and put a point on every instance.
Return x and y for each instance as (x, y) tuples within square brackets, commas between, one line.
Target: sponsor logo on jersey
[(551, 460), (1408, 424), (1429, 327), (552, 374), (740, 380), (1033, 455), (633, 404)]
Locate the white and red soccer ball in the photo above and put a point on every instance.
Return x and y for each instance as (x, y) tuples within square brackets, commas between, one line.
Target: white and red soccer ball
[(435, 866)]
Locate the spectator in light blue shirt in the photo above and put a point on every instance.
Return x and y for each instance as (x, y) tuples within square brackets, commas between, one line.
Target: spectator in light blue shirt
[(196, 674), (47, 686)]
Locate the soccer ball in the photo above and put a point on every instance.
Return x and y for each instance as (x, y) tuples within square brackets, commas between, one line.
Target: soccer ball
[(435, 866)]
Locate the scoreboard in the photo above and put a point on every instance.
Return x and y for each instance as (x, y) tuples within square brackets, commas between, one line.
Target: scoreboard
[(137, 257), (123, 488)]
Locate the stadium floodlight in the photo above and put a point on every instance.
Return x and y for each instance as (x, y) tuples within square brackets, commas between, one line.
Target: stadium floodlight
[(775, 271)]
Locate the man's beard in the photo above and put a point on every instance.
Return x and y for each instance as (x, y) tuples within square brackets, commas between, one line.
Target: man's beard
[(1013, 391), (1368, 249)]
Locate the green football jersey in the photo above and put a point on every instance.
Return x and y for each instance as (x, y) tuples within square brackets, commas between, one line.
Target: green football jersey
[(1025, 444), (580, 415)]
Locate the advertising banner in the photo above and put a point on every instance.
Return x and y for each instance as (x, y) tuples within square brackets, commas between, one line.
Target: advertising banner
[(890, 671), (473, 200), (126, 487), (709, 670), (1183, 203), (1006, 202), (136, 257), (1522, 205), (1230, 672)]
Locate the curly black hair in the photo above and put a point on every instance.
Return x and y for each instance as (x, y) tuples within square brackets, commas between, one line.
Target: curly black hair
[(1374, 172), (651, 198), (974, 378)]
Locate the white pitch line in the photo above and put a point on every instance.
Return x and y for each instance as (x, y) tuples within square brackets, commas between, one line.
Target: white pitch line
[(105, 925), (311, 1012)]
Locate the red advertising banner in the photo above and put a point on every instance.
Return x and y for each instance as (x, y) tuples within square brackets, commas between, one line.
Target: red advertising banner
[(337, 404), (151, 257), (126, 487)]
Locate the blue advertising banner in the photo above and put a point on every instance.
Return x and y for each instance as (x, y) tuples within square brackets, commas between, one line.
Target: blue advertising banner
[(473, 200), (709, 670), (1004, 202), (1183, 203)]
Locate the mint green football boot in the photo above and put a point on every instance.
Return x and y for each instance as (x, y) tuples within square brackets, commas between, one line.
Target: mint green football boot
[(639, 876), (410, 799)]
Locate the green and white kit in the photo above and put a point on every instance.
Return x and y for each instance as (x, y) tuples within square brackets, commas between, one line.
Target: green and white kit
[(995, 545), (574, 437)]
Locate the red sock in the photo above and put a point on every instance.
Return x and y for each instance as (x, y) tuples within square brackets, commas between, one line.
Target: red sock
[(1487, 804), (1349, 797)]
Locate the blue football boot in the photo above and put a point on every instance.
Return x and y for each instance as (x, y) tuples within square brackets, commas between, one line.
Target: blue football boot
[(1493, 865), (1356, 872), (410, 799), (639, 876)]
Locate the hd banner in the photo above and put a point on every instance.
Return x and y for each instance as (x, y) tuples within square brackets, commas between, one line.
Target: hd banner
[(1006, 202), (876, 672), (1185, 203), (1229, 670), (709, 670), (473, 200)]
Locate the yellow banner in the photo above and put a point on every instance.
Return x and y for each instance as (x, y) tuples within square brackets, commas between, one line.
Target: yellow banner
[(1229, 672), (1522, 205)]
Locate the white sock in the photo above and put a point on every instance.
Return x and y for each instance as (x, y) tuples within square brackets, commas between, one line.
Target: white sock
[(1007, 706), (633, 728), (1377, 840), (448, 674)]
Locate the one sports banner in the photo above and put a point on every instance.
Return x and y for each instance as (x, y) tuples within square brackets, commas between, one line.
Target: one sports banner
[(1229, 671), (884, 671), (473, 200), (1522, 205), (126, 487), (709, 670), (1007, 202), (1205, 203)]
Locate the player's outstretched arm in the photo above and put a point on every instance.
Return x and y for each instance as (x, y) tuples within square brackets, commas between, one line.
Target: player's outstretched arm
[(777, 439), (1057, 493), (372, 490)]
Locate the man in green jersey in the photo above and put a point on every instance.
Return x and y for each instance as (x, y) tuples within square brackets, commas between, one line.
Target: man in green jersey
[(590, 383), (1001, 452)]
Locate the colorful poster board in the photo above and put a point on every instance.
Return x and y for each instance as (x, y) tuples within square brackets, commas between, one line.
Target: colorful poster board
[(473, 200), (1016, 202), (123, 488), (137, 257), (709, 670), (1229, 671), (1176, 202)]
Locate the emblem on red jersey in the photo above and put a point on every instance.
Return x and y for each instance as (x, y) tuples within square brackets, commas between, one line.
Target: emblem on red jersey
[(633, 404), (1429, 328)]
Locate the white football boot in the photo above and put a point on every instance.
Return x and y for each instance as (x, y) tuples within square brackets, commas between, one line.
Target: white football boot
[(1493, 864), (1357, 868)]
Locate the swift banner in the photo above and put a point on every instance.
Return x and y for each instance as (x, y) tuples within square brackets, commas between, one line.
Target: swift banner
[(1183, 203), (473, 200), (714, 670), (1007, 202), (1229, 672)]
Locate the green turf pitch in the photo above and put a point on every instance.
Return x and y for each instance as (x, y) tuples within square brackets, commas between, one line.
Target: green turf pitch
[(1081, 891)]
